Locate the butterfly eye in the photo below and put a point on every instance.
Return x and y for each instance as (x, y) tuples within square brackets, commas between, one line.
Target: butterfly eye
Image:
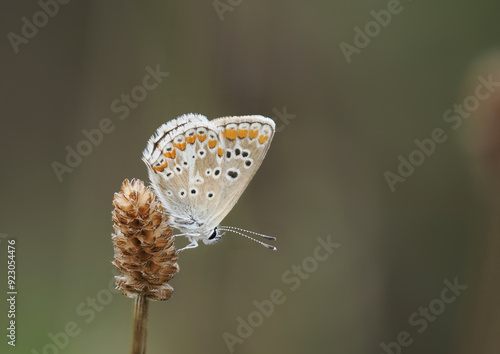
[(214, 233)]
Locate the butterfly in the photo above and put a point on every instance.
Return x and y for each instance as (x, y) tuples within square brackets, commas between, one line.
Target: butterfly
[(199, 168)]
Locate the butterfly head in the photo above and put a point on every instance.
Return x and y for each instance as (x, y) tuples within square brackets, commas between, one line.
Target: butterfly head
[(213, 236)]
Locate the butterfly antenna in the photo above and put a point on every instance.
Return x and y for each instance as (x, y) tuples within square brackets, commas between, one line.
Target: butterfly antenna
[(251, 238), (230, 228)]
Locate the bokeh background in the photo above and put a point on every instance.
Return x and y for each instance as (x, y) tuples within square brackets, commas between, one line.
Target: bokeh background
[(345, 126)]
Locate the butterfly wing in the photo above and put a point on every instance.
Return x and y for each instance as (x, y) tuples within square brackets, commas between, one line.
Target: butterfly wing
[(185, 165), (246, 140)]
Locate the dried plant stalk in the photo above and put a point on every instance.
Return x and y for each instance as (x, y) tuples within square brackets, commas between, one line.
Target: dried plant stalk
[(145, 252), (140, 324)]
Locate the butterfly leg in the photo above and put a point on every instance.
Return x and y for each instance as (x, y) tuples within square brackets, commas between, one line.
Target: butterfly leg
[(193, 244)]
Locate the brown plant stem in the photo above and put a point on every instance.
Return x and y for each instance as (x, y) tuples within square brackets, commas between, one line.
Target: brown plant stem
[(140, 325)]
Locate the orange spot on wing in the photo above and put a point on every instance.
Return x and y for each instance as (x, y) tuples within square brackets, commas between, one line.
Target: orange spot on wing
[(170, 155), (230, 134), (212, 143), (181, 146), (253, 134), (263, 139), (242, 133), (160, 168), (202, 137), (191, 139), (220, 152)]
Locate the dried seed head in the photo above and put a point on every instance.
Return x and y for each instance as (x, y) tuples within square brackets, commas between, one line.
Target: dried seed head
[(144, 247)]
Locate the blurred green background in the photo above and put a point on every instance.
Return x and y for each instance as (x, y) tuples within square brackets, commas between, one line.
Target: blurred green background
[(345, 126)]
